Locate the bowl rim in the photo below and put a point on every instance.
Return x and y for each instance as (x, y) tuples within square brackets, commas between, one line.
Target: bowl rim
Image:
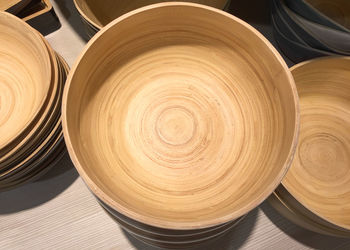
[(289, 189), (41, 44), (99, 27), (161, 223)]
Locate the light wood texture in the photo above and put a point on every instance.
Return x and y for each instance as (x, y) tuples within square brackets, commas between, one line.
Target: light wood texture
[(183, 123), (59, 212), (101, 12), (30, 153), (25, 80), (320, 174), (337, 10)]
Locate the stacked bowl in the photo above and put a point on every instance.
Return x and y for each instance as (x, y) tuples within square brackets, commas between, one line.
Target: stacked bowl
[(32, 78), (95, 14), (315, 193), (181, 119), (305, 29)]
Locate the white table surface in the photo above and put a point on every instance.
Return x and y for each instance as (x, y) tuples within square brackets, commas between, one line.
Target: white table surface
[(59, 212)]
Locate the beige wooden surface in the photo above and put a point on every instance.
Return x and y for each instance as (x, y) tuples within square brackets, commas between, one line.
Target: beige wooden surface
[(59, 212)]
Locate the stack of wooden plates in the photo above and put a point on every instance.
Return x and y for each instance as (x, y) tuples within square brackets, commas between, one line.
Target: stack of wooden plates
[(181, 119), (32, 78), (96, 14), (305, 29), (316, 191)]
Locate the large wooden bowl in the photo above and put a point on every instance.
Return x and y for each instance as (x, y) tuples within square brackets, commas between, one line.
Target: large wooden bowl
[(25, 78), (319, 178), (180, 116), (101, 12)]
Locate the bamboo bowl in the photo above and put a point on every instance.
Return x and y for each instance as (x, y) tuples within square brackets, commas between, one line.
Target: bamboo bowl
[(99, 13), (25, 72), (185, 121), (319, 178), (28, 82)]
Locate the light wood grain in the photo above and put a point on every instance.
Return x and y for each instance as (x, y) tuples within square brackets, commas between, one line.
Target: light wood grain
[(186, 123), (25, 80), (320, 174), (59, 212)]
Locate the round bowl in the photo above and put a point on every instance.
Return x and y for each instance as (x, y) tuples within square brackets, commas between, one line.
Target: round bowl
[(187, 120), (99, 13), (25, 79), (319, 178)]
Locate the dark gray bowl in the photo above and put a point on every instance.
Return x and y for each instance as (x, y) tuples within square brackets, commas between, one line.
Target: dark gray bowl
[(315, 35), (308, 11), (295, 51)]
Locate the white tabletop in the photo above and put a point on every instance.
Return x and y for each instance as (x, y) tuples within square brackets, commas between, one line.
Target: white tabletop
[(59, 212)]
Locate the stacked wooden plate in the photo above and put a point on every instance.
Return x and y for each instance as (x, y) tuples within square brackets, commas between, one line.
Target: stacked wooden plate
[(32, 77), (95, 14), (305, 29), (181, 119), (316, 191)]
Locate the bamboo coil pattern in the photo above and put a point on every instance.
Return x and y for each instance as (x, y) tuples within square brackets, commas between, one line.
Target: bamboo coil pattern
[(317, 185), (184, 125), (31, 87)]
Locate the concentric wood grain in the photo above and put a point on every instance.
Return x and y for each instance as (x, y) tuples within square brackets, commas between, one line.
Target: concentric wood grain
[(100, 13), (320, 175), (25, 77), (37, 131), (189, 121)]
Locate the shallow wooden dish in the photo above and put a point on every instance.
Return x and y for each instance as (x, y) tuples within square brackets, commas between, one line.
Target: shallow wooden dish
[(25, 73), (186, 121), (319, 178), (100, 13), (43, 156), (38, 129)]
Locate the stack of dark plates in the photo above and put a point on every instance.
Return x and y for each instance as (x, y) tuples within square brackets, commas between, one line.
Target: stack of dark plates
[(305, 29), (32, 78)]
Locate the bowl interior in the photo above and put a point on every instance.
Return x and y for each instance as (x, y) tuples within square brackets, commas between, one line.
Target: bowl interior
[(25, 76), (320, 175), (100, 13), (189, 120)]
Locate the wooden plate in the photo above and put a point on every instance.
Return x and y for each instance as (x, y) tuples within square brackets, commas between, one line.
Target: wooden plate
[(179, 124), (38, 159), (38, 130), (100, 13), (320, 175), (25, 73)]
